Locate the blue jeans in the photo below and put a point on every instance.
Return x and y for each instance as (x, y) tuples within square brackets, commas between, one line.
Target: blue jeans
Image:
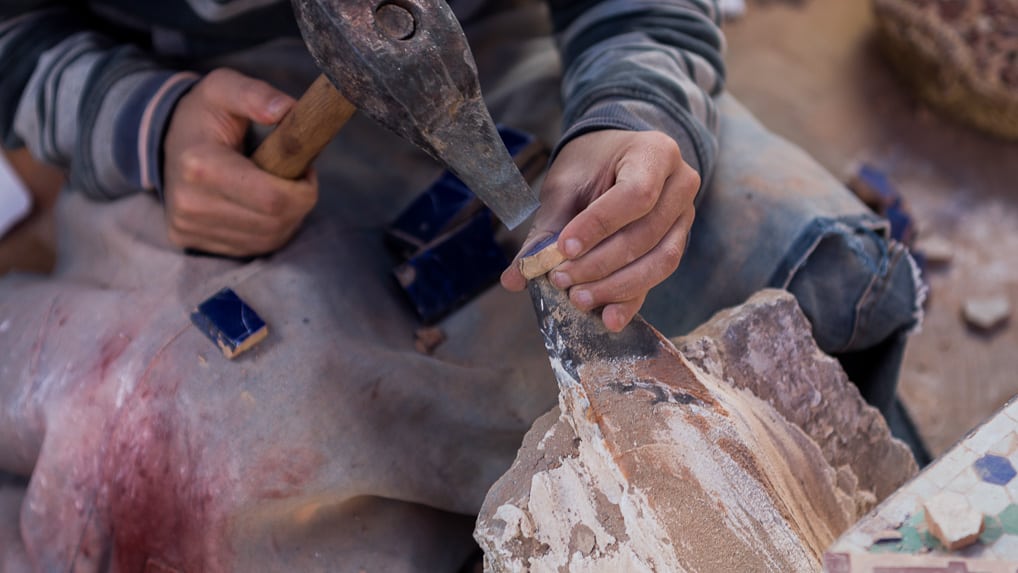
[(773, 217)]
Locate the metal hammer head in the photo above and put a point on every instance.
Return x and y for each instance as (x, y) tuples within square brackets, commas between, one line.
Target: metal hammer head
[(406, 64)]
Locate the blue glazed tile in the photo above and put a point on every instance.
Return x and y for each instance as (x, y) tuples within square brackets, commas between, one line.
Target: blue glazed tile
[(540, 245), (428, 215), (994, 469), (453, 269), (443, 205), (876, 190), (229, 322)]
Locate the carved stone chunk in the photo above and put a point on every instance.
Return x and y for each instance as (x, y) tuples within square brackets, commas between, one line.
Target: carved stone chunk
[(653, 464)]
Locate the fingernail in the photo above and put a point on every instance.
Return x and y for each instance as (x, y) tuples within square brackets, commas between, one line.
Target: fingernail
[(612, 319), (573, 247), (583, 298), (276, 106), (561, 280)]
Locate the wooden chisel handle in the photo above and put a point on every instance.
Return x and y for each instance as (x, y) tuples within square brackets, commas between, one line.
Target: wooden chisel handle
[(304, 131)]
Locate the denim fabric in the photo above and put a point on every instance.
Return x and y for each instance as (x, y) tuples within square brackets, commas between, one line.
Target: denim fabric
[(773, 217)]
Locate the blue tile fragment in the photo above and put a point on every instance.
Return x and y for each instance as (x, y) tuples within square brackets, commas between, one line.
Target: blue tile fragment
[(994, 469), (446, 237), (229, 322), (877, 191), (445, 204), (429, 214), (454, 269), (541, 244)]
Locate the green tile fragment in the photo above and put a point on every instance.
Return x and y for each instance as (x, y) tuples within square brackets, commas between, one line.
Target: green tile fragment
[(917, 518), (931, 542), (911, 542), (1009, 519), (992, 530)]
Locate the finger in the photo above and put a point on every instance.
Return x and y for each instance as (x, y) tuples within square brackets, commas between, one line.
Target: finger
[(634, 280), (246, 97), (228, 241), (633, 241), (634, 193), (616, 316), (195, 211), (236, 179)]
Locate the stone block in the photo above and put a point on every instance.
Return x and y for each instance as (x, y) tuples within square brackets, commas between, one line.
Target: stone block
[(653, 463)]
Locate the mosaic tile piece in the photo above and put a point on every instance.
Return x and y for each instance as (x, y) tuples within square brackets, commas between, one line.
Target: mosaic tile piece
[(930, 541), (1009, 519), (994, 469), (228, 321), (911, 541), (992, 530), (980, 469), (988, 499)]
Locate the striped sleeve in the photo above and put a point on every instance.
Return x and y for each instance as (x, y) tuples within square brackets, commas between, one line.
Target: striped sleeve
[(643, 65), (83, 102)]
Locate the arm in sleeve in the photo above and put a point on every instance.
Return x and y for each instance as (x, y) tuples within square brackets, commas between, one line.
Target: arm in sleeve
[(643, 65), (81, 101)]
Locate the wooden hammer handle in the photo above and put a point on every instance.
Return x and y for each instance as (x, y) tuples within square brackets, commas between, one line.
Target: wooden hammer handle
[(304, 131)]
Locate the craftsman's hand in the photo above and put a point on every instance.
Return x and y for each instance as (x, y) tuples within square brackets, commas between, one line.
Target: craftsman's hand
[(217, 200), (624, 204)]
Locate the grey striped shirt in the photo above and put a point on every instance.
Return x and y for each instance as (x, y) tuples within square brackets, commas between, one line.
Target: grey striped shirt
[(90, 86)]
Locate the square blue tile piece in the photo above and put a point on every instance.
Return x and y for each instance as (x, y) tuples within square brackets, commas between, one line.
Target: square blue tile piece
[(229, 322)]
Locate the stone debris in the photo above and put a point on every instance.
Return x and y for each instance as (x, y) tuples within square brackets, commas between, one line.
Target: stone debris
[(428, 338), (679, 467), (987, 313), (938, 250), (952, 520), (733, 9)]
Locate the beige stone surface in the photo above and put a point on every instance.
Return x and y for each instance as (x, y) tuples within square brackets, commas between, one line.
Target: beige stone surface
[(654, 464)]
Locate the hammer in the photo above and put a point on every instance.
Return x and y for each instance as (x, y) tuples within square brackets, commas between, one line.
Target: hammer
[(407, 65)]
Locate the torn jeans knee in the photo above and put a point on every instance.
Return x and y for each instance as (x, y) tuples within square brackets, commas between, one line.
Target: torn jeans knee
[(857, 287)]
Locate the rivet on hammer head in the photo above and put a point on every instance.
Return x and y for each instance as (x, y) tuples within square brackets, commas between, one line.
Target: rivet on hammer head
[(397, 22)]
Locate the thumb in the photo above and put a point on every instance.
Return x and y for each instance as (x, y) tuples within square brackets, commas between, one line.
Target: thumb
[(246, 97)]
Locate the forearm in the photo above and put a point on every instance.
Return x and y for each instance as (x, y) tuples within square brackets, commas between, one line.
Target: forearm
[(643, 65), (80, 101)]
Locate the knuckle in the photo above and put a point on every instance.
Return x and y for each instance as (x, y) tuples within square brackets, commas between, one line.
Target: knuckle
[(192, 166), (643, 195), (272, 203), (619, 291), (276, 205), (184, 207), (278, 228), (672, 254), (663, 143), (695, 180), (219, 76), (601, 224)]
